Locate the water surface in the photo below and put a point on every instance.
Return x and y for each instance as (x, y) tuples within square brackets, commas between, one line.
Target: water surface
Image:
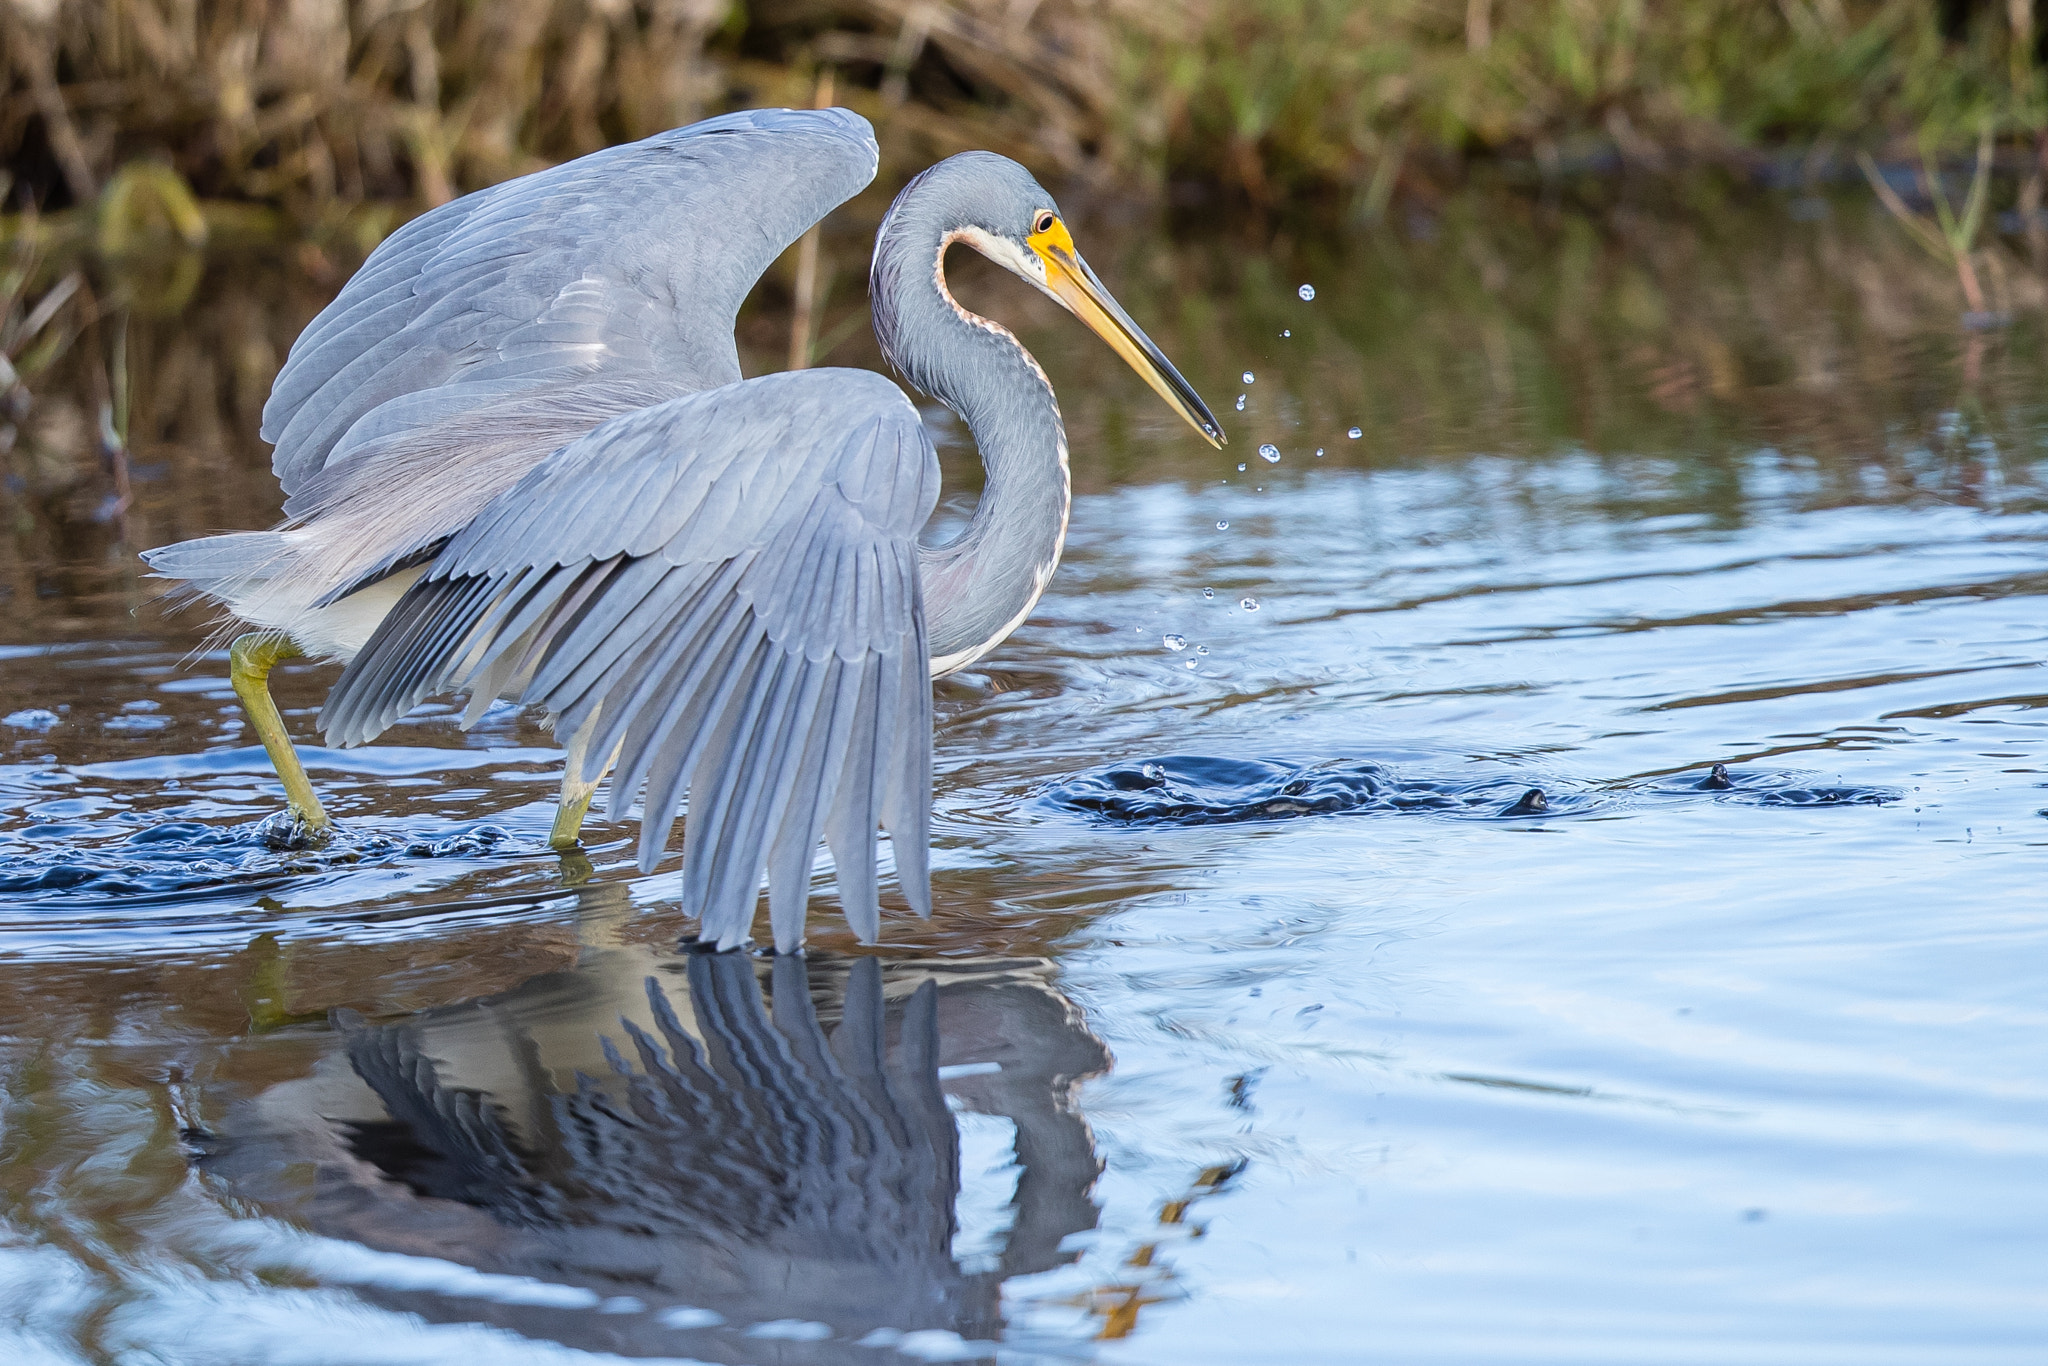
[(1665, 1070)]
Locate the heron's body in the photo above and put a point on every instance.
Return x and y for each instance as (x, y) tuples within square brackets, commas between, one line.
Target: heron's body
[(520, 459)]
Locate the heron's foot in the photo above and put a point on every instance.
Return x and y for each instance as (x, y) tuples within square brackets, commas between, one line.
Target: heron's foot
[(289, 830)]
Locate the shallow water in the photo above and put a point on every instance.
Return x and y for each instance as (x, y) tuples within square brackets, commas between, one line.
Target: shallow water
[(1263, 1017)]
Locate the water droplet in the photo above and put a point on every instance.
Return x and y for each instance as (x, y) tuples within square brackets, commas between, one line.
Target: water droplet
[(1208, 592), (1306, 292), (1175, 643), (1201, 649), (1223, 526), (1240, 467), (1286, 331), (1152, 771), (1191, 664), (1355, 433), (1319, 452), (1247, 377), (1249, 604), (1240, 403), (1270, 454)]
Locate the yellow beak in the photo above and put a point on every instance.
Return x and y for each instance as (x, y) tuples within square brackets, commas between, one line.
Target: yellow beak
[(1070, 281)]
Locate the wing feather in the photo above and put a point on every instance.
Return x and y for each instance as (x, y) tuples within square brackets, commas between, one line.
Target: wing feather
[(731, 778), (675, 690), (850, 827), (402, 675), (796, 839), (632, 259), (620, 627), (702, 722), (723, 589)]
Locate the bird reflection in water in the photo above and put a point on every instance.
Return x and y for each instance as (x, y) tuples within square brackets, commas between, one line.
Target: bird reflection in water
[(724, 1178)]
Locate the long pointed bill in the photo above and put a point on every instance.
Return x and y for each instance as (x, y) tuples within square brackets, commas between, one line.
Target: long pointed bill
[(1069, 280)]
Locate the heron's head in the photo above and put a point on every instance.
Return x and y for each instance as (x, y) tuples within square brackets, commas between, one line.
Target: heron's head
[(992, 204)]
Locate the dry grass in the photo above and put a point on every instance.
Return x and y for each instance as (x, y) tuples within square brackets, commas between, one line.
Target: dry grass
[(316, 104), (324, 100)]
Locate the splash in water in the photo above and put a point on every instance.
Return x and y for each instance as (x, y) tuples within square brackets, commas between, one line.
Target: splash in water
[(1196, 789)]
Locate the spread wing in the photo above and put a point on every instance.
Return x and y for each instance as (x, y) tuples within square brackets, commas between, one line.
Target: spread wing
[(630, 261), (723, 587)]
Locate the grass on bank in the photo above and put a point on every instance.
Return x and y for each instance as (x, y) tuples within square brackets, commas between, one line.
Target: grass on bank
[(323, 103)]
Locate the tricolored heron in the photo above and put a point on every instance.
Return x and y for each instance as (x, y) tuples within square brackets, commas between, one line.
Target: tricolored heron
[(520, 459)]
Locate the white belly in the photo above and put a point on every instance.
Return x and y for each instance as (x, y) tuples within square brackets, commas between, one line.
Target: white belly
[(336, 631)]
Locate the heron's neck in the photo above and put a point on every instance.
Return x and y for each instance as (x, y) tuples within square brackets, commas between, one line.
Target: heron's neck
[(980, 586)]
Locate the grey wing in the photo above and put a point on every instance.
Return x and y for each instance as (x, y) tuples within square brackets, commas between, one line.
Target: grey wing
[(723, 587), (631, 260)]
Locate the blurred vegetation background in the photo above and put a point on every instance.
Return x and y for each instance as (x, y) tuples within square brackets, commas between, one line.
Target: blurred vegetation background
[(1595, 224), (302, 105)]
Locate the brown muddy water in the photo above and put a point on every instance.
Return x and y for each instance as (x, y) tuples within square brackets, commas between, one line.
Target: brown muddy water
[(1263, 1017)]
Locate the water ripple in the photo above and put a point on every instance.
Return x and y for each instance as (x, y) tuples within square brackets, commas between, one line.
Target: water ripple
[(1196, 789), (178, 858)]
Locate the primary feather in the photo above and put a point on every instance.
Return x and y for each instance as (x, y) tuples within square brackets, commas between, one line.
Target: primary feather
[(730, 601)]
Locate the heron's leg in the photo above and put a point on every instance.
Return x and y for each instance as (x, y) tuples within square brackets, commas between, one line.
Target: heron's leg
[(250, 660), (576, 793)]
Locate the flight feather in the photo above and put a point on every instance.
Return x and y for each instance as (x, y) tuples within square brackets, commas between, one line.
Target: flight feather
[(722, 589)]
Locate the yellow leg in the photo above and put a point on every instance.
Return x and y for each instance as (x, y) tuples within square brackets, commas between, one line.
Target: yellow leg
[(576, 794), (250, 660)]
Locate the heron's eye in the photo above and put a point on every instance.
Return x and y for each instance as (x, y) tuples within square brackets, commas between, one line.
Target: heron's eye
[(1043, 223)]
